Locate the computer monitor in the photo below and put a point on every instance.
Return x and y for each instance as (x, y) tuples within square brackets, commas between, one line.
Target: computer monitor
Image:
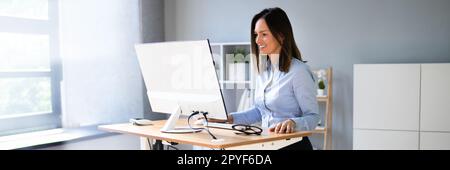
[(180, 78)]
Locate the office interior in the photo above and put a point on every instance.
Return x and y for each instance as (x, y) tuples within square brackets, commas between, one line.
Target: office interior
[(76, 67)]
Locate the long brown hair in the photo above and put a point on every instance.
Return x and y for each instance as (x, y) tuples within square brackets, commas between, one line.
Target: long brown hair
[(280, 27)]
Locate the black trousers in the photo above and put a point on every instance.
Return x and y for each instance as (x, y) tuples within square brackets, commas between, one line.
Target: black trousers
[(304, 144)]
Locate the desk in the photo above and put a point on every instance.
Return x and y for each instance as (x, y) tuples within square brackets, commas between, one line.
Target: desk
[(227, 137)]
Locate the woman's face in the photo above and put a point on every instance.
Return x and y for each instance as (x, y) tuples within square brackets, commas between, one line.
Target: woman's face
[(266, 42)]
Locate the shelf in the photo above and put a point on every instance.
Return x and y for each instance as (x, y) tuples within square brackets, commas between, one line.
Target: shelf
[(325, 128), (322, 98), (320, 129), (234, 82)]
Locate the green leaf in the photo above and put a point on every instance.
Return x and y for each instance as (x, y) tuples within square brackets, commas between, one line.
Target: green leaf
[(321, 84)]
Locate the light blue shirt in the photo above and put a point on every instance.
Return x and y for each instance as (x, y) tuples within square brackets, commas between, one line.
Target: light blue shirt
[(280, 96)]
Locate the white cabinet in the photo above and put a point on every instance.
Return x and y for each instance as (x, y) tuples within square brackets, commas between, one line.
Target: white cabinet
[(236, 79), (434, 140), (401, 106), (385, 139), (225, 57), (435, 98), (386, 96)]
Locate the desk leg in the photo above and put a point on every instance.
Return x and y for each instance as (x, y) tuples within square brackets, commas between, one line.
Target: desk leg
[(151, 144), (158, 145), (146, 143)]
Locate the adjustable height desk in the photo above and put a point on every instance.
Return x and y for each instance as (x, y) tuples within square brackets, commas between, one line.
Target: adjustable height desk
[(227, 138)]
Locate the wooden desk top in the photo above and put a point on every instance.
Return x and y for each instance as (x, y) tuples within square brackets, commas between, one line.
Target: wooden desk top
[(230, 139)]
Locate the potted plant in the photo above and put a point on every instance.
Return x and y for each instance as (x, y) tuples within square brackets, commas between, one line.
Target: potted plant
[(320, 91), (238, 65)]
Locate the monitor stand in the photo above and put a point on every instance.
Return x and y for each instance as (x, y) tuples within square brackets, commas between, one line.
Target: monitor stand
[(169, 127)]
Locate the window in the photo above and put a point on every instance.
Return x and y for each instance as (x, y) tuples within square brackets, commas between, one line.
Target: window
[(31, 9), (30, 69)]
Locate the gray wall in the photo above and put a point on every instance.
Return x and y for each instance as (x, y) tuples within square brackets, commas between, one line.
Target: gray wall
[(152, 20), (329, 33)]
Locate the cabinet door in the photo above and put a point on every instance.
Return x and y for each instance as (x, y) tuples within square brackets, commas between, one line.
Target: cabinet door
[(385, 140), (386, 96), (434, 141), (435, 97)]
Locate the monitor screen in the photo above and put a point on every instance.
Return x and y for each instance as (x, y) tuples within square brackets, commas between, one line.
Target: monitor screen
[(181, 75)]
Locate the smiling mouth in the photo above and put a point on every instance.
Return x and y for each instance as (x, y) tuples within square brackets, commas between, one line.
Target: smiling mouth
[(262, 46)]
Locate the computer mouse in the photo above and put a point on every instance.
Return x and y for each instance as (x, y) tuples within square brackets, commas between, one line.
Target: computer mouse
[(141, 122)]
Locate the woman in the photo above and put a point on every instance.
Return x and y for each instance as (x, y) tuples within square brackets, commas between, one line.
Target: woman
[(285, 93)]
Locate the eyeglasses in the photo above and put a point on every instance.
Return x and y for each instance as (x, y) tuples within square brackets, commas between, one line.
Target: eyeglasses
[(246, 129), (240, 128)]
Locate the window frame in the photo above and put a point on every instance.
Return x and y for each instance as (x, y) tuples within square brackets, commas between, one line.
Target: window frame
[(27, 122)]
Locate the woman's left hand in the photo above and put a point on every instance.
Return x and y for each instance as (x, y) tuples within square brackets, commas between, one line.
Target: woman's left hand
[(286, 126)]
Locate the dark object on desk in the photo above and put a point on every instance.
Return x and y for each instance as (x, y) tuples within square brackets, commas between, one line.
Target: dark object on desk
[(247, 129), (242, 129)]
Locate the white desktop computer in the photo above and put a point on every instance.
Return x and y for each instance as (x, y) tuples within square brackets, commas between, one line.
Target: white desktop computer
[(180, 78)]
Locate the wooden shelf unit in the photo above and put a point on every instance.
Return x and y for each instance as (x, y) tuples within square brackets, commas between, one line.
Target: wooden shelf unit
[(325, 129), (232, 90)]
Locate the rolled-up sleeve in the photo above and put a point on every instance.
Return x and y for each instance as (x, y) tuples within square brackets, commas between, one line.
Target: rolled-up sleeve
[(249, 116), (305, 93)]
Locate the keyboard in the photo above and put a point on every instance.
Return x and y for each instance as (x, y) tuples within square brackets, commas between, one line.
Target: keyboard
[(220, 125)]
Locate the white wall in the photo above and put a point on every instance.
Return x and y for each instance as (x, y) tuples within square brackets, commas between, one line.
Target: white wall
[(329, 33), (101, 79)]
